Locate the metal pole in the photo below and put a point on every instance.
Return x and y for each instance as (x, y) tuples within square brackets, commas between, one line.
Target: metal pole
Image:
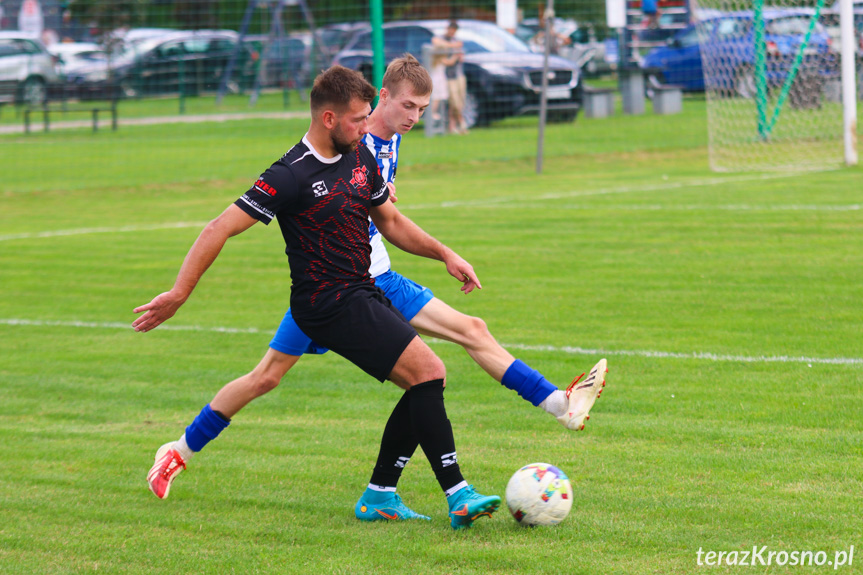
[(182, 81), (280, 45), (849, 81), (229, 69), (543, 97), (377, 21), (795, 68), (760, 69)]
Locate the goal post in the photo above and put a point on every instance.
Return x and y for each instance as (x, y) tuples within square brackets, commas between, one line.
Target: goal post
[(776, 88), (851, 75)]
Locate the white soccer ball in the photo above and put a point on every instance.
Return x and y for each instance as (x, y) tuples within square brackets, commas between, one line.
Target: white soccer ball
[(539, 494)]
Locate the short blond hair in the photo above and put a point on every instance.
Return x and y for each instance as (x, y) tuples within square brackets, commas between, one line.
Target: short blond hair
[(407, 69)]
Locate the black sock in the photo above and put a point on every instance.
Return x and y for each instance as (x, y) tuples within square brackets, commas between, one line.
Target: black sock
[(434, 432), (397, 445)]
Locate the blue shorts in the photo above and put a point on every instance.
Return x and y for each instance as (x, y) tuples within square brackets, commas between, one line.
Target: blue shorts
[(407, 296)]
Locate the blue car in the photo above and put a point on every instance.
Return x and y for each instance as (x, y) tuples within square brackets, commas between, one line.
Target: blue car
[(728, 53)]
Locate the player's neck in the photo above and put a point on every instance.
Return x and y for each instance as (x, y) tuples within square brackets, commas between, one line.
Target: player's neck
[(378, 128), (322, 143)]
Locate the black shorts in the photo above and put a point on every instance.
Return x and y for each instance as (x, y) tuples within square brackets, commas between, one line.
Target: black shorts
[(367, 330)]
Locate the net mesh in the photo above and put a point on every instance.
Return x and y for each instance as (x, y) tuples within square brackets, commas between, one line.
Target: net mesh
[(772, 82)]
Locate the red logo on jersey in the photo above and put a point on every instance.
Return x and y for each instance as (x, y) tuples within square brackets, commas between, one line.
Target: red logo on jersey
[(265, 187), (360, 177)]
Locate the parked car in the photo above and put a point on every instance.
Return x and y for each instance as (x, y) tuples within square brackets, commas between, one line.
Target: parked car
[(126, 40), (644, 37), (288, 60), (830, 21), (578, 44), (27, 70), (138, 34), (857, 5), (504, 78), (729, 44), (667, 25), (334, 37), (72, 55), (193, 61)]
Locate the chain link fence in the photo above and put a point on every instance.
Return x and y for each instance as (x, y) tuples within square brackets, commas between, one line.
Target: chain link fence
[(144, 59)]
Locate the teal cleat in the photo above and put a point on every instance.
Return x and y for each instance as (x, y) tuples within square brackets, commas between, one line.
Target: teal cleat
[(378, 506), (466, 506)]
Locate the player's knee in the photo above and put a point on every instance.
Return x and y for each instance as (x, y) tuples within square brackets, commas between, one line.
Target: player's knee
[(475, 331), (265, 382), (437, 369), (431, 367)]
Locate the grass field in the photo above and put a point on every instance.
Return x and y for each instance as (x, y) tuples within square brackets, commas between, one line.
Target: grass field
[(728, 306), (269, 101)]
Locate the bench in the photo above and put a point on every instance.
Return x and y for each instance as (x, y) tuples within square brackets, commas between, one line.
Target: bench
[(598, 102), (667, 99), (48, 108)]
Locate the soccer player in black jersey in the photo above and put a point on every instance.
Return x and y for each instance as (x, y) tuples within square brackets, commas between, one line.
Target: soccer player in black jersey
[(322, 192)]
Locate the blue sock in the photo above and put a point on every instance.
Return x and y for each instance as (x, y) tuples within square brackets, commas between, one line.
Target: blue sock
[(206, 427), (527, 382)]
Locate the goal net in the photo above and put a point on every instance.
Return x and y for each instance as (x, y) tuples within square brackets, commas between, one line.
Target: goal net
[(772, 82)]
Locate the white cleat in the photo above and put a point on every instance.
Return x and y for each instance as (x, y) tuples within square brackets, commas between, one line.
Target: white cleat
[(582, 396), (168, 465)]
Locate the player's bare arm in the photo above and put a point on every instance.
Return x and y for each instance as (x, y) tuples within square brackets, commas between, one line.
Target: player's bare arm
[(201, 255), (403, 233)]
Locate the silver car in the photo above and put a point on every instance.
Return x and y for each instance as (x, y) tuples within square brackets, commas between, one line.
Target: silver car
[(26, 68)]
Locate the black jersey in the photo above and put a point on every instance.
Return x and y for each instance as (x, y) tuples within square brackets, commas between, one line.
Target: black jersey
[(322, 206)]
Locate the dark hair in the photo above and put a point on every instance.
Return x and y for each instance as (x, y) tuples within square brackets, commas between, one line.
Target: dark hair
[(407, 69), (337, 86), (453, 24)]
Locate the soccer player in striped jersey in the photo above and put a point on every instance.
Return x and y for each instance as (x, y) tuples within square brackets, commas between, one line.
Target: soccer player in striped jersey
[(403, 99)]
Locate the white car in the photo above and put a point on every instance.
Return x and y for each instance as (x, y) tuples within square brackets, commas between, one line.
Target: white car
[(72, 55), (26, 68)]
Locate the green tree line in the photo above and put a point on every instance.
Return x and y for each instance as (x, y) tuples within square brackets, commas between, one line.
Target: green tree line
[(228, 14)]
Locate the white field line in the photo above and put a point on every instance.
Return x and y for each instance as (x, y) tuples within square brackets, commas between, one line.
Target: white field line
[(120, 325), (567, 350), (663, 186), (85, 231), (37, 126), (517, 202), (693, 207)]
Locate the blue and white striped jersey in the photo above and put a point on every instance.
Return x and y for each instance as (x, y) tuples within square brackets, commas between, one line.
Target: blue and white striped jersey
[(386, 153)]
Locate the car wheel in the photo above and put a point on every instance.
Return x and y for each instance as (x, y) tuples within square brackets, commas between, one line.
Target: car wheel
[(561, 116), (33, 91), (744, 82), (807, 91)]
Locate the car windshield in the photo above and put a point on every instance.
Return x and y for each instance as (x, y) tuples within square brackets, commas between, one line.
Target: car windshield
[(731, 27), (482, 38), (489, 39), (792, 26), (124, 52), (91, 56)]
